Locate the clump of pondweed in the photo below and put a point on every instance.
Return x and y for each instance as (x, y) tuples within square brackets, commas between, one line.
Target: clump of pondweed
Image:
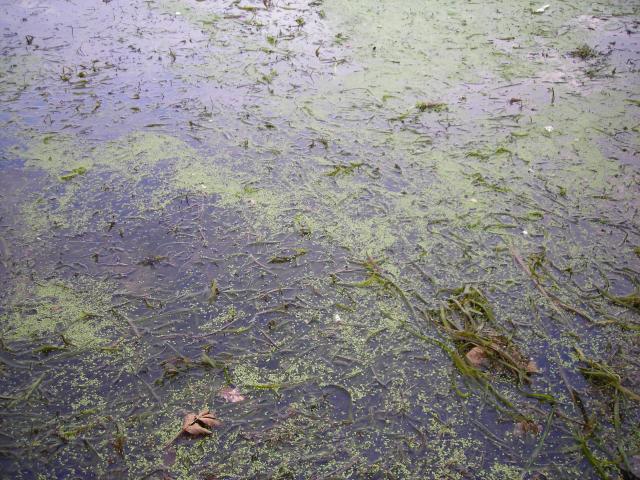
[(584, 52), (469, 320), (431, 106), (602, 374), (632, 300)]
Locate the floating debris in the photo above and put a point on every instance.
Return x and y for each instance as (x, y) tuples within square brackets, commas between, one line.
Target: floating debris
[(231, 395), (197, 424)]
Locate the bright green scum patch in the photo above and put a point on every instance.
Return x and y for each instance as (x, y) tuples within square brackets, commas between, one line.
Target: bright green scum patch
[(60, 314), (128, 163), (132, 159), (133, 155)]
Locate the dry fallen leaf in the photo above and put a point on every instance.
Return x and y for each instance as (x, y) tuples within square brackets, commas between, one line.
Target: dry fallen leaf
[(526, 426), (532, 367), (477, 357), (208, 419), (191, 425), (195, 424), (231, 395)]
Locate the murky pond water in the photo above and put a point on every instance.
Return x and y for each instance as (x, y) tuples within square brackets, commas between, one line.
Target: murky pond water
[(407, 232)]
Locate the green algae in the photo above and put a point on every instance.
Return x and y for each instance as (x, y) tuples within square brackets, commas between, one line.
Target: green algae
[(431, 106), (73, 174), (207, 179), (584, 52), (52, 152), (132, 154), (344, 169), (130, 159), (73, 314)]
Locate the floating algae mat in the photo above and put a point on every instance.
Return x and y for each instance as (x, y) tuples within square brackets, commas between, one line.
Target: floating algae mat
[(320, 239)]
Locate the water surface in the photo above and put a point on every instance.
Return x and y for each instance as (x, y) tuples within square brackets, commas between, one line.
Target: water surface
[(327, 205)]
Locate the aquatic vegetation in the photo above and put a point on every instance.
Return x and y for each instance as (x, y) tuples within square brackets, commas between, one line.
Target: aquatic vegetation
[(584, 52), (469, 320), (299, 252), (603, 374), (630, 301), (432, 106), (75, 314), (369, 235), (73, 173), (344, 169)]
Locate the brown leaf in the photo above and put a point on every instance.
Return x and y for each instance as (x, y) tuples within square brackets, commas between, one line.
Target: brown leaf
[(532, 367), (477, 357), (196, 430), (207, 418), (526, 426), (189, 419), (195, 424), (231, 395)]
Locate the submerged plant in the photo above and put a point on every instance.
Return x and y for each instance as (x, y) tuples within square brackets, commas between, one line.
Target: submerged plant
[(470, 321), (603, 374), (431, 106), (344, 169), (268, 77), (299, 252), (73, 174), (631, 300), (584, 52)]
